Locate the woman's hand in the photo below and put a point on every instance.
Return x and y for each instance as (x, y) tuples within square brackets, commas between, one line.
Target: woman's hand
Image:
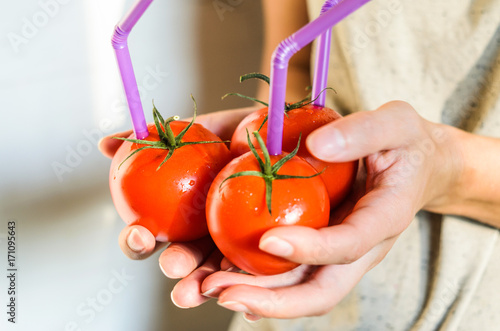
[(409, 164), (179, 259)]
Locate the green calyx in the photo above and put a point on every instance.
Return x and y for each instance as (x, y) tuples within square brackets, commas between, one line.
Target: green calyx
[(268, 172), (288, 106), (168, 141)]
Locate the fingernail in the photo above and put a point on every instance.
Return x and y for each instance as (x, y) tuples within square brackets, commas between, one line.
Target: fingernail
[(326, 143), (276, 246), (163, 270), (234, 306), (99, 144), (212, 293), (134, 241), (251, 318), (174, 270), (175, 303), (230, 269)]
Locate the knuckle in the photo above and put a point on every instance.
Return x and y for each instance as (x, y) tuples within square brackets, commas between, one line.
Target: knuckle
[(356, 251), (267, 308), (400, 106), (322, 253)]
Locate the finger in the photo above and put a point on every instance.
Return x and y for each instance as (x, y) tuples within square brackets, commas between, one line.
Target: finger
[(137, 242), (327, 286), (180, 259), (360, 134), (251, 317), (223, 123), (214, 284), (186, 293), (379, 215), (109, 146)]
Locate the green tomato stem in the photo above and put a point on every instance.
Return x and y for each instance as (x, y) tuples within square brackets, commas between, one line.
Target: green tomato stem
[(268, 172), (168, 141)]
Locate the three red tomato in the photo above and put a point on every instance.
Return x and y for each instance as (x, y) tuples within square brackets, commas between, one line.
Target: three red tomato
[(171, 200)]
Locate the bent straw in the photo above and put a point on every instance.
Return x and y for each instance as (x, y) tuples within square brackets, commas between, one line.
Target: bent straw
[(279, 65), (322, 59), (119, 42)]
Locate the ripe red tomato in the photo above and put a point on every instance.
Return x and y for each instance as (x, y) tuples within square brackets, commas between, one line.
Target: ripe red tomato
[(338, 177), (169, 201), (238, 215)]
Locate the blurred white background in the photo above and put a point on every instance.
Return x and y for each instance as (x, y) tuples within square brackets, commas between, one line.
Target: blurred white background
[(59, 93)]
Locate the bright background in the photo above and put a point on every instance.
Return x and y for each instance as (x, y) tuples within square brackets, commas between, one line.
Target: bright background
[(59, 93)]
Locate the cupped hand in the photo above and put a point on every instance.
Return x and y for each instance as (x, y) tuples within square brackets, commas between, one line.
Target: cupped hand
[(409, 164), (179, 259)]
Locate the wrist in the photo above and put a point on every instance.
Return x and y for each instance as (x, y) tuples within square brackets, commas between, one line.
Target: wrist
[(448, 180), (473, 190)]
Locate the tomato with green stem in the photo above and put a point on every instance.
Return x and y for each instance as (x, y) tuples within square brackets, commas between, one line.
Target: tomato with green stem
[(161, 182), (301, 118), (256, 192)]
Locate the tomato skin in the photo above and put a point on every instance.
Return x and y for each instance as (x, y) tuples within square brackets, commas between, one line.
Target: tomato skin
[(237, 213), (338, 177), (169, 202)]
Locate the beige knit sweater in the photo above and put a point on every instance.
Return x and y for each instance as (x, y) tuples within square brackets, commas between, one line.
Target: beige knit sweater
[(443, 57)]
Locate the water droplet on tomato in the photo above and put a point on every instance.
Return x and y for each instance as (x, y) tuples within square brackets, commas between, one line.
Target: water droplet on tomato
[(192, 182)]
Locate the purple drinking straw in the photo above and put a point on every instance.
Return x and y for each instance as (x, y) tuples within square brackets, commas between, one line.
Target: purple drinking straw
[(279, 66), (119, 42), (322, 59)]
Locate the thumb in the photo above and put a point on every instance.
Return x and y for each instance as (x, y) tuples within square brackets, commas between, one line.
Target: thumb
[(358, 135)]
